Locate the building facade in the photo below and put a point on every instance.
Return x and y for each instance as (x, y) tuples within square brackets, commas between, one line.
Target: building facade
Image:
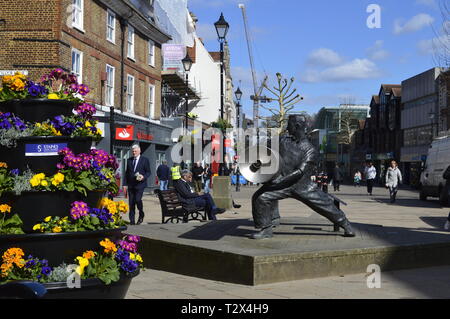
[(114, 47), (420, 121), (336, 126)]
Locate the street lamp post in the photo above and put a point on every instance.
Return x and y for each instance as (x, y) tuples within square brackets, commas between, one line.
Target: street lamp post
[(222, 27), (187, 64), (238, 95)]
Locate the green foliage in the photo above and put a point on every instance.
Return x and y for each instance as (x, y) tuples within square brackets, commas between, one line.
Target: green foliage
[(59, 274), (6, 181), (11, 226), (221, 124)]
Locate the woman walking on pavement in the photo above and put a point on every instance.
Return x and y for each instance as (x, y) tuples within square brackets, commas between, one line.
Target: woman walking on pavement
[(393, 178)]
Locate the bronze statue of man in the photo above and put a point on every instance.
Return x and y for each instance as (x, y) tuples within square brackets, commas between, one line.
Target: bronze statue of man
[(297, 161)]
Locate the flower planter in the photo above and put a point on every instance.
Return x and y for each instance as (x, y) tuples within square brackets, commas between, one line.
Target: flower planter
[(33, 207), (37, 110), (59, 247), (90, 289), (39, 153)]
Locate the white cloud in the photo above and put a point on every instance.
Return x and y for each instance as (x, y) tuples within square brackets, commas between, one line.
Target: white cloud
[(416, 23), (324, 57), (329, 66), (377, 52), (434, 45)]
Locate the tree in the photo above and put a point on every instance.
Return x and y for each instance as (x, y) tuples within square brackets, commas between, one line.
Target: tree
[(286, 98), (441, 44)]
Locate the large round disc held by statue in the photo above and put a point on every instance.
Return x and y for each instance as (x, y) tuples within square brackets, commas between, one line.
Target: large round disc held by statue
[(260, 164)]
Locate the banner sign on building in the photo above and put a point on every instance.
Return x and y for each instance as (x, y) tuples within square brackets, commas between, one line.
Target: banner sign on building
[(12, 72), (172, 55), (44, 149)]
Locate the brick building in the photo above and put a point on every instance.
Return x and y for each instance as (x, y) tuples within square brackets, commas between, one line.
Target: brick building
[(114, 47)]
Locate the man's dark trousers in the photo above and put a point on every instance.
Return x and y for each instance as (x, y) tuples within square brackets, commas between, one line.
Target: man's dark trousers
[(206, 201), (135, 199)]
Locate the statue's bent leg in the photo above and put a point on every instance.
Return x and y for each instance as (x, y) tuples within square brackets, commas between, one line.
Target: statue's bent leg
[(323, 204), (265, 207)]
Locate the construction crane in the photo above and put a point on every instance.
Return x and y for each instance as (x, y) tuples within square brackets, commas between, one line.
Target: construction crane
[(257, 91)]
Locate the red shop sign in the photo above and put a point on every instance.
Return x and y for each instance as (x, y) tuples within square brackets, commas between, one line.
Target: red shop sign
[(125, 133)]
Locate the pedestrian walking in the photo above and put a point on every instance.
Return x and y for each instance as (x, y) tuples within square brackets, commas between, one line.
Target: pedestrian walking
[(393, 179), (197, 173), (370, 173), (337, 177), (446, 176), (136, 175), (357, 179), (163, 173)]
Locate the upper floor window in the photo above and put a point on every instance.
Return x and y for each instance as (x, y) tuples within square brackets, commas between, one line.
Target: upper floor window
[(77, 14), (151, 53), (77, 64), (130, 42), (130, 93), (110, 85), (111, 27), (151, 101)]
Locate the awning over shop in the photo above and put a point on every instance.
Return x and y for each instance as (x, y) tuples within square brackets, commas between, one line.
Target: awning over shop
[(177, 82)]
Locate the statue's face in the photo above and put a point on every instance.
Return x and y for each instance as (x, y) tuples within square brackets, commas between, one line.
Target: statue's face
[(295, 124)]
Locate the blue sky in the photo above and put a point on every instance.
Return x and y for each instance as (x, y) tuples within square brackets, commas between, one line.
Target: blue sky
[(325, 44)]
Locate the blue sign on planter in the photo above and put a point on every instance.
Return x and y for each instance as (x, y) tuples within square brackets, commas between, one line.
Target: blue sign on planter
[(44, 149)]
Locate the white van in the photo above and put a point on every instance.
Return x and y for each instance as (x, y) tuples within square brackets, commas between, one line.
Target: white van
[(431, 180)]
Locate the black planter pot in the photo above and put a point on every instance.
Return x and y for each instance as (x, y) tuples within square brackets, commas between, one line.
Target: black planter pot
[(29, 152), (59, 247), (37, 110), (90, 289), (33, 207)]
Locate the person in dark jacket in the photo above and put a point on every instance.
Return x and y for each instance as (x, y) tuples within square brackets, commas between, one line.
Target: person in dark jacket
[(197, 172), (188, 197), (337, 177), (163, 173), (136, 175), (446, 176)]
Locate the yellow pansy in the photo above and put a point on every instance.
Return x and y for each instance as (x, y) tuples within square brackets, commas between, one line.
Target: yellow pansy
[(44, 183), (56, 229), (139, 258), (57, 179), (37, 227), (53, 96), (34, 182), (87, 124), (47, 219)]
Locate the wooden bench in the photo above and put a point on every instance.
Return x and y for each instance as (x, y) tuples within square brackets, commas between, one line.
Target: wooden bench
[(173, 211)]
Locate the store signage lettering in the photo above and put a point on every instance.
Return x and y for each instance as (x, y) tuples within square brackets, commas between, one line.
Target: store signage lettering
[(144, 136), (44, 149)]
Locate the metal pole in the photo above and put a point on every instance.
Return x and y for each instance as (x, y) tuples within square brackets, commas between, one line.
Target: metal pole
[(111, 130), (186, 101), (222, 101)]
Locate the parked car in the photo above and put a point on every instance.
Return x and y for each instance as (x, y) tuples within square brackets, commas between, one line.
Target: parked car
[(432, 182)]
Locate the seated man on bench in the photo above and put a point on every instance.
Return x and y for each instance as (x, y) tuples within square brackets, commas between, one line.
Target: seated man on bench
[(188, 197)]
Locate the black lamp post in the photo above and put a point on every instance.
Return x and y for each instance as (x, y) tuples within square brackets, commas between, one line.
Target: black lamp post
[(222, 29), (238, 95), (187, 64)]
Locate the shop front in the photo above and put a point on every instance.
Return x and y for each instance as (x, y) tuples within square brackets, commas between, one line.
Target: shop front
[(154, 140)]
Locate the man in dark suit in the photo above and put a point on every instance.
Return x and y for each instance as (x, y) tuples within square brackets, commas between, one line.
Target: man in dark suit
[(136, 175), (189, 198)]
